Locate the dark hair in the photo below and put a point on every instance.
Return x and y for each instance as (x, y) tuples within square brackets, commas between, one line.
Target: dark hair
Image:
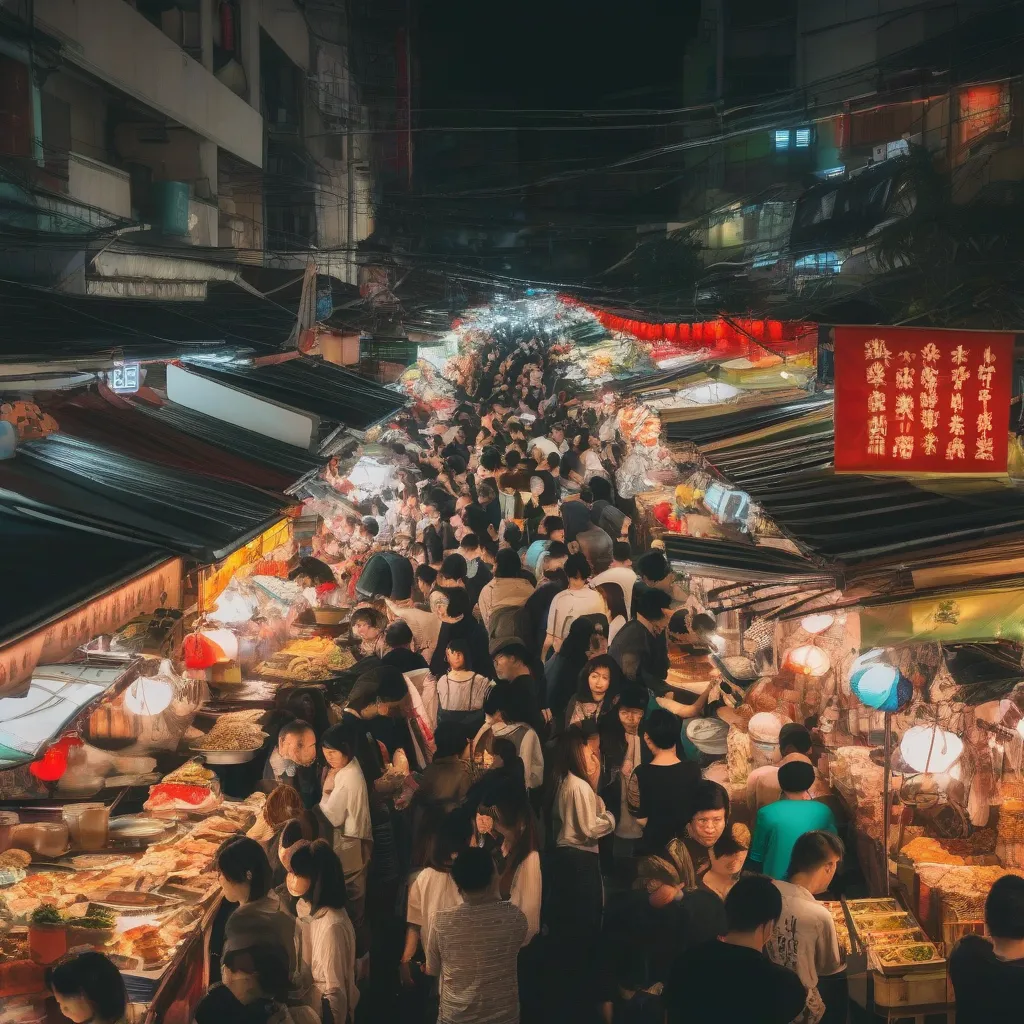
[(490, 459), (268, 963), (796, 777), (319, 572), (450, 739), (454, 567), (293, 831), (473, 870), (240, 860), (652, 565), (511, 701), (486, 492), (470, 541), (577, 567), (557, 549), (753, 901), (426, 574), (512, 458), (651, 604), (601, 488), (513, 535), (614, 598), (371, 526), (398, 634), (318, 862), (812, 850), (458, 602), (340, 737), (568, 760), (728, 844), (370, 616), (620, 550), (450, 837), (586, 496), (1004, 908), (614, 682), (549, 524), (549, 496), (708, 796), (554, 460), (507, 564), (94, 977), (461, 646), (662, 729), (576, 646), (795, 737)]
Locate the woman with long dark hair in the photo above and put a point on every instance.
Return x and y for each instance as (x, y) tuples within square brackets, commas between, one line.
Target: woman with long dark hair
[(562, 670), (597, 691), (579, 820)]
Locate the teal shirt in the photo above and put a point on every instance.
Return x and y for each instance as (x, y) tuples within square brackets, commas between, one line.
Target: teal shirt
[(780, 825)]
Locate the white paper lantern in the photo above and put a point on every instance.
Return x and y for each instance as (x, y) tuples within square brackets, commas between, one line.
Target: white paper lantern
[(931, 749), (815, 624), (225, 640), (148, 696), (808, 660)]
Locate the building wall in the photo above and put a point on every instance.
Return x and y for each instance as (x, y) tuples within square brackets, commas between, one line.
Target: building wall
[(111, 40)]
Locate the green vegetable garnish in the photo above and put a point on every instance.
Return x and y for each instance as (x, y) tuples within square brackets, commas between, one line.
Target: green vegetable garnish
[(47, 913)]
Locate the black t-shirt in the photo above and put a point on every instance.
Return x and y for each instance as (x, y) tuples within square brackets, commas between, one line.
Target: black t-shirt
[(719, 983), (570, 463), (405, 660), (665, 791), (988, 990), (575, 518)]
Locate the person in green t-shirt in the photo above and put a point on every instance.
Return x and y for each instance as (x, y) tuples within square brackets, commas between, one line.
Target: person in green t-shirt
[(781, 824)]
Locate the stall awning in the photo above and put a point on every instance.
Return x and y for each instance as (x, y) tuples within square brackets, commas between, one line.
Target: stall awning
[(110, 421), (325, 394), (83, 484), (708, 429), (51, 567), (727, 560)]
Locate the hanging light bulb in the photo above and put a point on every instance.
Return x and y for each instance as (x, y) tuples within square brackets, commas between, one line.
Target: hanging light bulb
[(815, 624), (931, 749), (148, 696), (808, 660)]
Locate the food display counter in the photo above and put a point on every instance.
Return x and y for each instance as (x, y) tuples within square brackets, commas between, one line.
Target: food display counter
[(144, 894)]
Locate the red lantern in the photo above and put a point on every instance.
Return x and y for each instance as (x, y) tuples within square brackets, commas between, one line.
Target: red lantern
[(684, 333), (671, 332), (198, 651), (51, 766)]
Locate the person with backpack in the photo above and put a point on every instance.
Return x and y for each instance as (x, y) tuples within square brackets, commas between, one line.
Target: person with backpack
[(461, 691)]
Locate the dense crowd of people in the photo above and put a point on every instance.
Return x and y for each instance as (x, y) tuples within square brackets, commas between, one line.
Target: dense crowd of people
[(496, 815)]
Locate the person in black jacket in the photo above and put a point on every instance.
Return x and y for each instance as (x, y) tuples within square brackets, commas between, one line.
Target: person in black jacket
[(457, 622)]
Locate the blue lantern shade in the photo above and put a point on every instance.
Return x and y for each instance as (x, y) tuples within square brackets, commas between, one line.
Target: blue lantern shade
[(877, 684)]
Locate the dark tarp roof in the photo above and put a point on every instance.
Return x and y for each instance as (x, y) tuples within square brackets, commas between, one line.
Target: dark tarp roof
[(323, 389), (113, 422), (40, 323), (709, 429), (87, 484), (285, 458), (851, 518), (745, 558), (51, 568)]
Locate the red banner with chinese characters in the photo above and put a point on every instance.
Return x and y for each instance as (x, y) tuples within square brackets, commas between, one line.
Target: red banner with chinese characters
[(916, 400)]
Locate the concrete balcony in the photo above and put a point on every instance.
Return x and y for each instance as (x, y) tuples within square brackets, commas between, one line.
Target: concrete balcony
[(94, 184), (111, 40)]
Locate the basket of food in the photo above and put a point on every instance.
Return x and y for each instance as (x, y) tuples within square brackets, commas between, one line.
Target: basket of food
[(232, 740)]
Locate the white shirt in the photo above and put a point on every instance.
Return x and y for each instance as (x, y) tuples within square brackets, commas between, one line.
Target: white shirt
[(463, 691), (430, 891), (570, 605), (580, 815), (329, 952), (530, 751), (624, 577), (805, 942), (347, 806), (527, 891), (614, 626), (425, 627)]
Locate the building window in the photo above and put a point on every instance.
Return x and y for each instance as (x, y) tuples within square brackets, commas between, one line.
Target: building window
[(818, 263), (803, 138), (983, 108), (782, 138)]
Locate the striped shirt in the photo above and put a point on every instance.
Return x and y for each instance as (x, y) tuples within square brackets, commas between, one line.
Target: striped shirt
[(473, 949)]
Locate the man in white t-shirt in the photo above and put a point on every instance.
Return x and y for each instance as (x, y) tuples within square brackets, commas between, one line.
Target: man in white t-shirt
[(577, 600), (805, 939)]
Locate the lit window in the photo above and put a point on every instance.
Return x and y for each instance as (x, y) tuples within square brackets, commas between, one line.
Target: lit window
[(782, 138), (818, 263), (803, 138)]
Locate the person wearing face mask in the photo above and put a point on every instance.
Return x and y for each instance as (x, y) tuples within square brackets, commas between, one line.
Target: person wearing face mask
[(88, 989), (327, 938), (346, 805), (245, 879), (763, 991), (293, 761)]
